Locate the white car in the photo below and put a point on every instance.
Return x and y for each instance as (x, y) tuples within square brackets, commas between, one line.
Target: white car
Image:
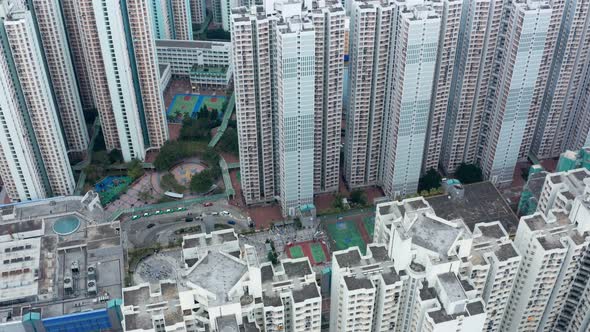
[(214, 213), (225, 213)]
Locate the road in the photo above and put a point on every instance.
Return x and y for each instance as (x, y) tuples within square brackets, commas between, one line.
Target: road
[(139, 235)]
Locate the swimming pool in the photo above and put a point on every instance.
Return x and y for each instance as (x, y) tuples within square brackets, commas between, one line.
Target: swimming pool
[(66, 225)]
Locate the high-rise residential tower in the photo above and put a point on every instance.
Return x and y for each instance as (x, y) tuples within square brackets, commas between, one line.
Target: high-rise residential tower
[(450, 13), (161, 19), (72, 26), (515, 74), (38, 166), (555, 103), (55, 48), (329, 25), (284, 62), (83, 11), (120, 50), (477, 40), (182, 18), (198, 11), (415, 44), (370, 47)]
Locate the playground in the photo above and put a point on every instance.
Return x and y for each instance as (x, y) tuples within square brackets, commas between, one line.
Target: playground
[(185, 171), (346, 233), (111, 187), (183, 104), (317, 252)]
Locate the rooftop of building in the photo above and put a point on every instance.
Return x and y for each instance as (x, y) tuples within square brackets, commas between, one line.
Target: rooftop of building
[(217, 272), (356, 283), (481, 203), (60, 248), (147, 302), (491, 238), (227, 323), (204, 240), (293, 274), (197, 69), (190, 43), (553, 229), (573, 181)]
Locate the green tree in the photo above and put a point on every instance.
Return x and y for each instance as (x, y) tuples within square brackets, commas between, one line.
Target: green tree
[(202, 182), (115, 156), (358, 197), (144, 195), (468, 173), (229, 142), (134, 169), (337, 202), (101, 158), (430, 180)]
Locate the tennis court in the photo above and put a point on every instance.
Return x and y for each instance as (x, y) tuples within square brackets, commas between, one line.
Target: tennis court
[(317, 252), (346, 234), (351, 232), (296, 252)]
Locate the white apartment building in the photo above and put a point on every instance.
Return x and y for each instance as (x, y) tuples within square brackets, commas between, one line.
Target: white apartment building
[(551, 248), (37, 109), (492, 268), (131, 67), (516, 70), (476, 47), (222, 287), (366, 291), (277, 54), (82, 13), (428, 253), (51, 27), (561, 189), (415, 46), (182, 55), (295, 51), (370, 53), (564, 60), (20, 169)]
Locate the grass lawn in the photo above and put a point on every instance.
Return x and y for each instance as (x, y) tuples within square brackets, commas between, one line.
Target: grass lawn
[(296, 252), (318, 253), (183, 104)]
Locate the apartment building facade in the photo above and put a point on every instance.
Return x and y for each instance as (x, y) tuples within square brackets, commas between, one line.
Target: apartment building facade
[(476, 47), (516, 70), (34, 114), (566, 59), (54, 41), (286, 58), (417, 30), (120, 50)]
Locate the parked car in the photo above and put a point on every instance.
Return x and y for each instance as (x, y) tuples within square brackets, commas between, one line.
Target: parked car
[(214, 213), (135, 217), (231, 222), (225, 213), (208, 204)]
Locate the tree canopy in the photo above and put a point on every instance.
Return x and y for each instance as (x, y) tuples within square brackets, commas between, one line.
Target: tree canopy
[(430, 180), (468, 173)]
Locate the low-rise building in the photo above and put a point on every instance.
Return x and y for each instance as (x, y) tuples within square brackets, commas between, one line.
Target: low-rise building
[(182, 55), (62, 266)]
